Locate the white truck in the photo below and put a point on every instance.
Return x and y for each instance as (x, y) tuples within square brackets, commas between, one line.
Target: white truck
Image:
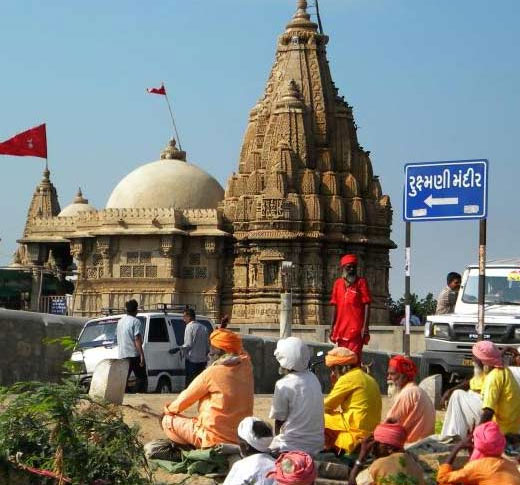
[(450, 337), (163, 331)]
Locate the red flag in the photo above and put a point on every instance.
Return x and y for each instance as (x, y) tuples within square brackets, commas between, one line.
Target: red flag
[(161, 90), (30, 143)]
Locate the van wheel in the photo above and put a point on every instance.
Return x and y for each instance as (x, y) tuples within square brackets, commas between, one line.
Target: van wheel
[(164, 386)]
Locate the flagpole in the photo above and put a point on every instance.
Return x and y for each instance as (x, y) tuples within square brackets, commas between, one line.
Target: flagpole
[(173, 119)]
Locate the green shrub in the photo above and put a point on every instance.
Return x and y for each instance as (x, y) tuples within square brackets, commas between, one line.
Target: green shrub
[(55, 427)]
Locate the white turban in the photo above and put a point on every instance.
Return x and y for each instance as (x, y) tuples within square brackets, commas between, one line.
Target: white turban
[(245, 431), (292, 354)]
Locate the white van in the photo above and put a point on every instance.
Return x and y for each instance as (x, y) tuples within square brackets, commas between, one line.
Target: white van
[(162, 332)]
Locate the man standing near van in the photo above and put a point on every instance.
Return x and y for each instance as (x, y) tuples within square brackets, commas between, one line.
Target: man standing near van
[(448, 296), (130, 344), (195, 347)]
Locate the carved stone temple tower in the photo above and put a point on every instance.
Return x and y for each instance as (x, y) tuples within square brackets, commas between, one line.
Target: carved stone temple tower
[(304, 192)]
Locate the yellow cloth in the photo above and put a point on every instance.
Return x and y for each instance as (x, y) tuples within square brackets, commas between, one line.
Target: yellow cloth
[(476, 383), (486, 471), (357, 395), (501, 393), (225, 393)]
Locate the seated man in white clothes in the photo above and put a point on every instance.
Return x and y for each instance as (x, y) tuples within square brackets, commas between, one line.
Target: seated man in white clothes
[(467, 408), (254, 436), (297, 402)]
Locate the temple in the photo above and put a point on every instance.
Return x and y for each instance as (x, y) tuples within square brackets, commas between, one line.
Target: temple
[(304, 192)]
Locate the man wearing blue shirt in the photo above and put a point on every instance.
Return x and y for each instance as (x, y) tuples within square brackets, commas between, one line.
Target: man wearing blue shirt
[(130, 344)]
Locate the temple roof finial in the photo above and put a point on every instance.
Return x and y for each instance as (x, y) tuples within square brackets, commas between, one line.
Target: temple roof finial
[(302, 19), (79, 199), (171, 152)]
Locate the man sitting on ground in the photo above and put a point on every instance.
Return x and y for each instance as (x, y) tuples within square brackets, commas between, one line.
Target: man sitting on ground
[(486, 465), (224, 391), (391, 461), (412, 408), (298, 400), (358, 397), (499, 398), (254, 437)]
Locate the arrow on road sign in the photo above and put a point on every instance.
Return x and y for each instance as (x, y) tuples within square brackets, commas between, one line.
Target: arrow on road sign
[(430, 201)]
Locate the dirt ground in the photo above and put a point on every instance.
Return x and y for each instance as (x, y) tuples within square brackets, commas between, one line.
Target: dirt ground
[(142, 409)]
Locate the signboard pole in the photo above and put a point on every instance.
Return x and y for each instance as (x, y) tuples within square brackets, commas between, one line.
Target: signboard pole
[(407, 295), (481, 277)]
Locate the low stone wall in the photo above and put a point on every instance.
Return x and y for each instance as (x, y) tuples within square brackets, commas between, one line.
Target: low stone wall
[(265, 366), (387, 338), (24, 356)]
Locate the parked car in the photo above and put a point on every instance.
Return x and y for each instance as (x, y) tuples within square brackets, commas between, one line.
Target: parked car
[(450, 337), (162, 332)]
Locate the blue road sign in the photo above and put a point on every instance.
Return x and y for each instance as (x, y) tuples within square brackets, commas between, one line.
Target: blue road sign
[(439, 191)]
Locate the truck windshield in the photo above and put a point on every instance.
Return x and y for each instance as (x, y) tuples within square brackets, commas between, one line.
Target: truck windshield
[(99, 333), (502, 287)]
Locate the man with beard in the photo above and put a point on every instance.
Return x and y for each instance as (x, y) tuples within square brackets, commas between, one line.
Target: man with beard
[(412, 408), (499, 397), (353, 406), (224, 391), (351, 299), (297, 406)]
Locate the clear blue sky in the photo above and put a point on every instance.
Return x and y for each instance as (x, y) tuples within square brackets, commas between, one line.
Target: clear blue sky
[(429, 80)]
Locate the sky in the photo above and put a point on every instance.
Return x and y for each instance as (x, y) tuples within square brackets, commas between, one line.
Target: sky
[(428, 81)]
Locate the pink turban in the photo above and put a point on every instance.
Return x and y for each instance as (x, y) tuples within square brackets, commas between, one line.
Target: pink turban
[(294, 468), (488, 440), (404, 365), (487, 352), (348, 259), (390, 434)]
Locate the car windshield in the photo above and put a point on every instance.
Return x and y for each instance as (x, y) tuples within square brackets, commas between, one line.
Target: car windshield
[(99, 333), (502, 287)]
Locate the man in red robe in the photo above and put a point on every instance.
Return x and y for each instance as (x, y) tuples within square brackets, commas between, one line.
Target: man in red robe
[(351, 299)]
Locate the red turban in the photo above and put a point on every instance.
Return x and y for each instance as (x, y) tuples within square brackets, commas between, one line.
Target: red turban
[(341, 356), (294, 468), (226, 340), (487, 352), (404, 365), (348, 259), (488, 440), (390, 434)]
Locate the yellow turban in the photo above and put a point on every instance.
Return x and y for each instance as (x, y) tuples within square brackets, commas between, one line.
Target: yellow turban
[(341, 356), (226, 340)]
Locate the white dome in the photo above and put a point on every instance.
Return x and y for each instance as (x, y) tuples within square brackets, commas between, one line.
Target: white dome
[(168, 183), (79, 204)]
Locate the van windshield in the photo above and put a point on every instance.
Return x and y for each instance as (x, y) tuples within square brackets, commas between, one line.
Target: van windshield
[(99, 333), (502, 287)]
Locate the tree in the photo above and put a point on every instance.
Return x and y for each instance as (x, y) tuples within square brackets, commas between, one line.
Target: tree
[(420, 307)]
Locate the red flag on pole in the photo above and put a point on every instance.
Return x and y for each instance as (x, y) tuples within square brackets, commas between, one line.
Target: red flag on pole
[(30, 143), (161, 90)]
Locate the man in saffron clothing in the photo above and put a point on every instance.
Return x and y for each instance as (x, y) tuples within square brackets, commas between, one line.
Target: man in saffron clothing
[(351, 299), (412, 408), (224, 392)]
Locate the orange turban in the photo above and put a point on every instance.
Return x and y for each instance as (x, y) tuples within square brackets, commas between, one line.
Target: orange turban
[(348, 259), (404, 365), (226, 340), (341, 356)]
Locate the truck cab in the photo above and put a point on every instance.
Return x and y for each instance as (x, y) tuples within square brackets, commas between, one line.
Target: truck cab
[(450, 337), (162, 332)]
